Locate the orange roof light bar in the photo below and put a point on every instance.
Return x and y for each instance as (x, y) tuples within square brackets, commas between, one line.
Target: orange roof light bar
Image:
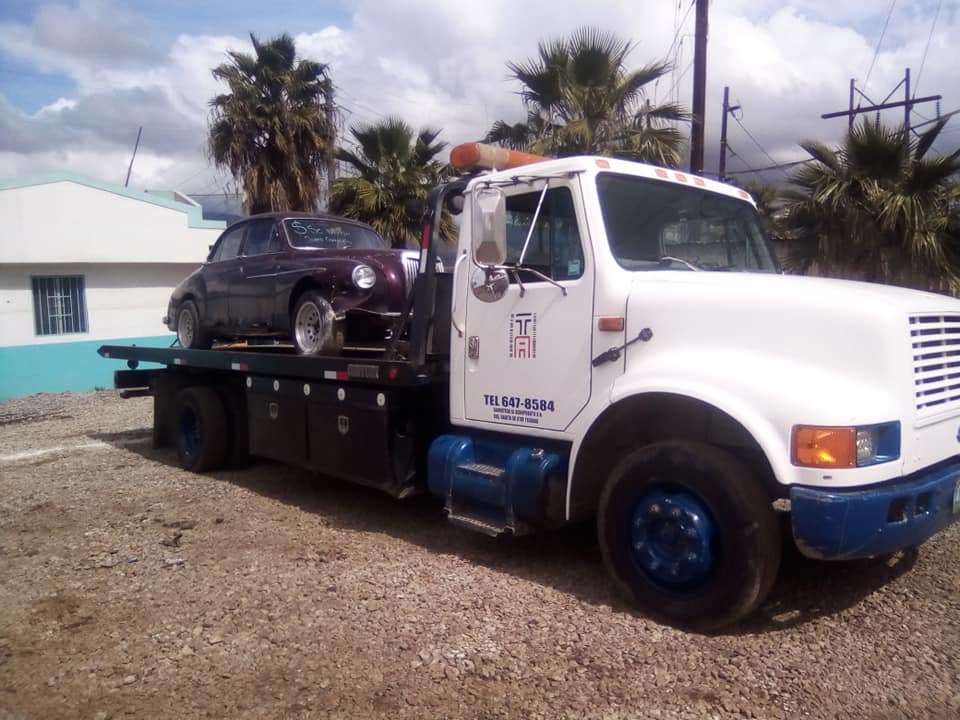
[(471, 156)]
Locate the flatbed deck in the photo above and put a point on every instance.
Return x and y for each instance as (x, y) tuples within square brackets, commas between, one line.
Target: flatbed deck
[(277, 361)]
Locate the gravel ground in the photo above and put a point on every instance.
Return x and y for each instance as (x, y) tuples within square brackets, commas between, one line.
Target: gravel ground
[(129, 588)]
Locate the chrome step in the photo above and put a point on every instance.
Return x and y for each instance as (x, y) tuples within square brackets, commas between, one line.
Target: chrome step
[(473, 523), (490, 471)]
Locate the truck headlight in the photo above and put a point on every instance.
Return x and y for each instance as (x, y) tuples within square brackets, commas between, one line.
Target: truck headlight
[(844, 447), (364, 277)]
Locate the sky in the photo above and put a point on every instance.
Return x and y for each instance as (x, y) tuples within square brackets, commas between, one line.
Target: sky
[(77, 78)]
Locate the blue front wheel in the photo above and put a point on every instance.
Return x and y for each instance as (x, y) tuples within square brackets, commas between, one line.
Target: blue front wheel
[(688, 532)]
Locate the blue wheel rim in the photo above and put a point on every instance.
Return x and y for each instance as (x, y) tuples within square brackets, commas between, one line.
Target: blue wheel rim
[(672, 538), (189, 432)]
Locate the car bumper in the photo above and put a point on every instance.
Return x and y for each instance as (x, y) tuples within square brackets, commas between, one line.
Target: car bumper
[(849, 524)]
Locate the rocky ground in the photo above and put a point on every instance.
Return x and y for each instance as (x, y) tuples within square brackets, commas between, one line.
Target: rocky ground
[(129, 588)]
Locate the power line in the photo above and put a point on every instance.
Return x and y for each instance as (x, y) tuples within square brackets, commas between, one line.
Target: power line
[(676, 34), (778, 166), (927, 47), (876, 52), (757, 143), (679, 79), (737, 155)]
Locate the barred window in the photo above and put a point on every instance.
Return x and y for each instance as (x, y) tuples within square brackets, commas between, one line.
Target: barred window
[(59, 305)]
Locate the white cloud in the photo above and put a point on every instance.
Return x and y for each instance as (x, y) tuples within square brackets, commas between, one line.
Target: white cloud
[(443, 64)]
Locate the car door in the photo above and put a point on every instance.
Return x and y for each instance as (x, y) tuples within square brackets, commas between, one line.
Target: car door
[(219, 273), (527, 355), (253, 292)]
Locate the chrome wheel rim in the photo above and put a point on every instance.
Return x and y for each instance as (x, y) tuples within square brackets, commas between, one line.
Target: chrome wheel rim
[(308, 328), (185, 329)]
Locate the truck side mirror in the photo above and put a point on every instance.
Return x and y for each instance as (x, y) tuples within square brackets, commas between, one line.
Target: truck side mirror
[(489, 227)]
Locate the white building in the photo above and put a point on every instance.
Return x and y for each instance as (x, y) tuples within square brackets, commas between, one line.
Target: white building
[(84, 263)]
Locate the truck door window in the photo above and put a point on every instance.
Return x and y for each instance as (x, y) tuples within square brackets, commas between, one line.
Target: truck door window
[(229, 245), (554, 248)]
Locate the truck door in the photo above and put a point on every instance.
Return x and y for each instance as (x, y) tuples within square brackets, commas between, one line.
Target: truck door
[(528, 354)]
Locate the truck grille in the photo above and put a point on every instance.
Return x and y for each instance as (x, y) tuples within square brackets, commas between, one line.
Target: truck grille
[(935, 340)]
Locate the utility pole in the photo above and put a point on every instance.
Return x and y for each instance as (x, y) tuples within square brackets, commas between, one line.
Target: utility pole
[(132, 157), (699, 89), (727, 109), (907, 103), (330, 110)]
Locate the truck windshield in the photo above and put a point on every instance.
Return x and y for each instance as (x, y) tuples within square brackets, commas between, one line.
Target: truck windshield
[(313, 234), (653, 225)]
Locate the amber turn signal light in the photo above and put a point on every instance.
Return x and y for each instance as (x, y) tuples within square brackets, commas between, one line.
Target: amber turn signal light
[(610, 324), (824, 447)]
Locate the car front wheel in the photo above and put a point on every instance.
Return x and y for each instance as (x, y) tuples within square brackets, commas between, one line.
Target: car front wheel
[(190, 333), (314, 325)]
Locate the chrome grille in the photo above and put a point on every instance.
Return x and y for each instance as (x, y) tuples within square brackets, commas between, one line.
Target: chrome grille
[(935, 341), (411, 263)]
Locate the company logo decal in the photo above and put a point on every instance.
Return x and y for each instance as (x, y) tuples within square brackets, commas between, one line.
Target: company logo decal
[(523, 335)]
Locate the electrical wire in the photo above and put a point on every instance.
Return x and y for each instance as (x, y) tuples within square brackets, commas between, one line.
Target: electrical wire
[(876, 52), (757, 143), (778, 166), (927, 48), (734, 153)]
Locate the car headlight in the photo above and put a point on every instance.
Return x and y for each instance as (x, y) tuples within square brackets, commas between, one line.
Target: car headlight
[(845, 447), (364, 277)]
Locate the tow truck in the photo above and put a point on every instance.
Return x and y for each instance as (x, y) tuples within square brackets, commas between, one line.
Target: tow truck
[(613, 343)]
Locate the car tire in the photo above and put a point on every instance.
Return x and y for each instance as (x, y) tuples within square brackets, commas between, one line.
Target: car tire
[(190, 333), (314, 327), (688, 534), (201, 429)]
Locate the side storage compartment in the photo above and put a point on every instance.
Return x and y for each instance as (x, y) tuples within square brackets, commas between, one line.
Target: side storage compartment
[(277, 412), (353, 433), (360, 435)]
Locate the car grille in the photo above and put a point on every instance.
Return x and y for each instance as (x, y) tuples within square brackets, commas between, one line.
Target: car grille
[(935, 341), (411, 263)]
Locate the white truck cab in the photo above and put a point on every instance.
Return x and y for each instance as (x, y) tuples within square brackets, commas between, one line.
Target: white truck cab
[(625, 347)]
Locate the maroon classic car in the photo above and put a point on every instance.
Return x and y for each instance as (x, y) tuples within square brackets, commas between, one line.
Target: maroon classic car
[(323, 281)]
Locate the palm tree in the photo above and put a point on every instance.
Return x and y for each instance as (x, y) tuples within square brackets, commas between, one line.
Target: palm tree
[(581, 99), (392, 166), (878, 208), (269, 129)]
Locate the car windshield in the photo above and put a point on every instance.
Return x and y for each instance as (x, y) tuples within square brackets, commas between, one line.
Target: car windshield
[(313, 234), (654, 225)]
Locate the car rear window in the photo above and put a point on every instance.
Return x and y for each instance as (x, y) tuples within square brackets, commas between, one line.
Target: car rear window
[(332, 235)]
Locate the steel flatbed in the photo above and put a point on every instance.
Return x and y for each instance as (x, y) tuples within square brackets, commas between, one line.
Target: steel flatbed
[(276, 362)]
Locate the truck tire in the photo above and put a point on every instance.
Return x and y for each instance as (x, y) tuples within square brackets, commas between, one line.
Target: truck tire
[(314, 326), (201, 429), (190, 333), (689, 534)]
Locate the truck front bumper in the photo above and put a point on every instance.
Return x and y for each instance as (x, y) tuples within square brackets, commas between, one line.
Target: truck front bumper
[(848, 524)]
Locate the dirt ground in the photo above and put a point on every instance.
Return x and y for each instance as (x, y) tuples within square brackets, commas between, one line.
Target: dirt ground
[(129, 588)]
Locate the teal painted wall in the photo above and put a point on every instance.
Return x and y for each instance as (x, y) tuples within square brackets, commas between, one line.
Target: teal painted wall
[(59, 367)]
